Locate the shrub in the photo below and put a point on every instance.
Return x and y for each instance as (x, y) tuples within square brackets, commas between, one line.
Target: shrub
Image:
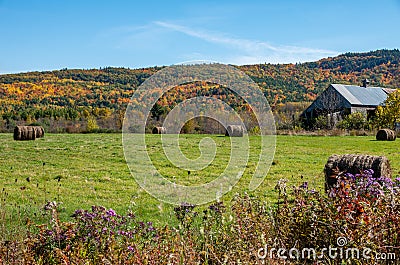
[(91, 125), (353, 121), (255, 131), (387, 114), (321, 122)]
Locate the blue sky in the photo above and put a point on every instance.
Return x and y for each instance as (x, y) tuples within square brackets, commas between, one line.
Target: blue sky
[(49, 35)]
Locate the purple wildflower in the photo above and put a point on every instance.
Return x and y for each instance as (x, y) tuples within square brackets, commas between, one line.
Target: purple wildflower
[(111, 212), (304, 185), (369, 172), (350, 176)]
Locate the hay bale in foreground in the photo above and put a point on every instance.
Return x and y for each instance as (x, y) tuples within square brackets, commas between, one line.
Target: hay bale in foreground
[(159, 130), (386, 135), (22, 133), (354, 164), (234, 131)]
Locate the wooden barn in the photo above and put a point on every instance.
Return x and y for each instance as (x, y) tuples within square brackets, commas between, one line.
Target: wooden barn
[(339, 100)]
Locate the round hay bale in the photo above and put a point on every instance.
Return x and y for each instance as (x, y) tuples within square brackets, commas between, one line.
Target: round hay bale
[(234, 131), (39, 131), (159, 130), (340, 164), (386, 135), (22, 133), (28, 132)]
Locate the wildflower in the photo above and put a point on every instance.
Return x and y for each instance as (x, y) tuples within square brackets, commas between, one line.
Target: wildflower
[(350, 176), (111, 212), (369, 172), (281, 186), (304, 185), (217, 207), (50, 205)]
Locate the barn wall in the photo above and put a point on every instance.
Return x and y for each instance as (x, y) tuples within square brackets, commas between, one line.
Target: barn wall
[(368, 112), (330, 101), (363, 110)]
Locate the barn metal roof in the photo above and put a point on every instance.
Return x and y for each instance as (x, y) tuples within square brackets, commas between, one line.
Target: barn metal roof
[(358, 95)]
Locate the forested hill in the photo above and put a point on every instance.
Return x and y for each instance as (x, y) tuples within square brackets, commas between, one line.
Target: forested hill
[(73, 94), (302, 82)]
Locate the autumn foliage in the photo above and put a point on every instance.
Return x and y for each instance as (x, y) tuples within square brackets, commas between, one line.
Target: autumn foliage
[(65, 100)]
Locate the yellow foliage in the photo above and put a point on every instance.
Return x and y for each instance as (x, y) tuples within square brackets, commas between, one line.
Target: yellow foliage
[(389, 113), (91, 124)]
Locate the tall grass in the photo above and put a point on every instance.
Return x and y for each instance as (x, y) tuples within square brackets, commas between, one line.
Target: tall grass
[(362, 212)]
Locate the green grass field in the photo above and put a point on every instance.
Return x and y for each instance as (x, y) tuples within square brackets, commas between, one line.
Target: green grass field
[(81, 170)]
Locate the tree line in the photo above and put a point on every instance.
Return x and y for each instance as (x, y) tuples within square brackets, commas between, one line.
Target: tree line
[(71, 97)]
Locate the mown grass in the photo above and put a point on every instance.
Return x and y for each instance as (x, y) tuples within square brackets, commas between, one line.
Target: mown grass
[(81, 170)]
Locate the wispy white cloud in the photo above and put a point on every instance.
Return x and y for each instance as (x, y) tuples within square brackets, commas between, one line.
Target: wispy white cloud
[(252, 51)]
